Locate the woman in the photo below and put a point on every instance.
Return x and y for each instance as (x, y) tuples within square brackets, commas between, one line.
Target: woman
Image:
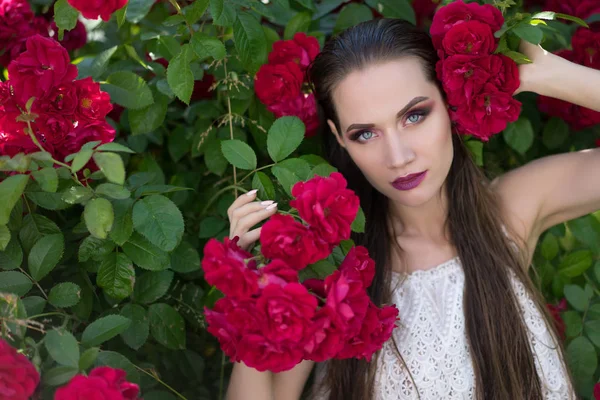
[(452, 249)]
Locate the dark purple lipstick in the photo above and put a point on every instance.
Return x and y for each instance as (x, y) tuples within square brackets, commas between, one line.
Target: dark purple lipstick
[(409, 182)]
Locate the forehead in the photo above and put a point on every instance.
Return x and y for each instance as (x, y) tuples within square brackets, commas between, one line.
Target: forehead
[(374, 93)]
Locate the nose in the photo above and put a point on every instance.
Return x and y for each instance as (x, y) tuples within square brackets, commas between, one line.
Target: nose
[(398, 152)]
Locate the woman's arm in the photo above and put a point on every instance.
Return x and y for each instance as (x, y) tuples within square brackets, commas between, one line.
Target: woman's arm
[(557, 188), (246, 383)]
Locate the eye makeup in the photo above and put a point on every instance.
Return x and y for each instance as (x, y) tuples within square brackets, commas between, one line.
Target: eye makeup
[(422, 113)]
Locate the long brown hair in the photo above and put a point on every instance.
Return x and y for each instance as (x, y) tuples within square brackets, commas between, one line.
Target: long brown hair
[(502, 358)]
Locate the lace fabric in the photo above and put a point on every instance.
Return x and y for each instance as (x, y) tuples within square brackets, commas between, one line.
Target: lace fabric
[(433, 342)]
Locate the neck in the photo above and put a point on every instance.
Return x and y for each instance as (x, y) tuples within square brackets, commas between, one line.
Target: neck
[(425, 221)]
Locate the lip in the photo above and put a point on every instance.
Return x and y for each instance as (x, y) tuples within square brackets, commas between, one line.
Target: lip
[(410, 181)]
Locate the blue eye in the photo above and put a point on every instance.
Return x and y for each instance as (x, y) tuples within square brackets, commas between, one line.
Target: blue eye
[(365, 135), (414, 118)]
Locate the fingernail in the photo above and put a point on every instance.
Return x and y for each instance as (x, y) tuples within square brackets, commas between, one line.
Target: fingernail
[(272, 206), (266, 202), (252, 192)]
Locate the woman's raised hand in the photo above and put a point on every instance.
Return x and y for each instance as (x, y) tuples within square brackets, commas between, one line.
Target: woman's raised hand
[(244, 213)]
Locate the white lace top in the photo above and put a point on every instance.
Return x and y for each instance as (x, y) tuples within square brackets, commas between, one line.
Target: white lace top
[(433, 343)]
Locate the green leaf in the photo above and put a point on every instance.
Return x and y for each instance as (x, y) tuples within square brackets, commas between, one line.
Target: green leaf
[(115, 147), (352, 14), (322, 268), (151, 286), (239, 154), (59, 375), (285, 177), (148, 119), (34, 305), (137, 10), (185, 258), (101, 62), (159, 220), (323, 170), (63, 347), (45, 254), (576, 297), (211, 226), (250, 41), (113, 191), (144, 254), (549, 246), (299, 23), (581, 357), (573, 323), (11, 190), (359, 222), (47, 178), (213, 157), (136, 335), (104, 329), (395, 9), (12, 256), (167, 326), (116, 276), (88, 357), (111, 165), (576, 263), (206, 46), (81, 159), (35, 227), (128, 90), (99, 216), (592, 330), (179, 75), (4, 239), (94, 248), (195, 11), (223, 12), (65, 16), (517, 57), (117, 360), (15, 282), (550, 15), (285, 135), (65, 294), (586, 230), (556, 131), (530, 33), (123, 224), (519, 135), (265, 187), (77, 194)]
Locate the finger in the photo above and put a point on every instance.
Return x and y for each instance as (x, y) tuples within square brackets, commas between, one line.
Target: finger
[(244, 210), (247, 240), (245, 223), (241, 200)]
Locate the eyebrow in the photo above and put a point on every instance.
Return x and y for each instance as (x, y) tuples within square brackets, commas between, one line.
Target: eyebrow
[(400, 113)]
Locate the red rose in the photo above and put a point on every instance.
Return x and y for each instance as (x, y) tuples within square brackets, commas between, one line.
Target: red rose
[(458, 12), (83, 134), (358, 262), (579, 8), (325, 339), (302, 106), (316, 286), (52, 128), (15, 15), (347, 297), (586, 47), (487, 114), (597, 391), (301, 50), (74, 39), (44, 65), (61, 100), (201, 87), (102, 383), (261, 354), (284, 238), (375, 331), (577, 117), (278, 83), (13, 139), (555, 311), (225, 268), (463, 76), (93, 104), (288, 310), (18, 376), (424, 11), (327, 206), (92, 9), (277, 273), (471, 38)]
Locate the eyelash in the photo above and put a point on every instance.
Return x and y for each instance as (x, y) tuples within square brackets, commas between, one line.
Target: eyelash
[(422, 113)]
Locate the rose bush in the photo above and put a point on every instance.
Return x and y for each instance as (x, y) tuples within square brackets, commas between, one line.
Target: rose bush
[(150, 119)]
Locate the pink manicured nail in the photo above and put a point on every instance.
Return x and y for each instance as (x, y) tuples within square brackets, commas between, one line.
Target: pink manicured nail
[(266, 202), (272, 206), (252, 192)]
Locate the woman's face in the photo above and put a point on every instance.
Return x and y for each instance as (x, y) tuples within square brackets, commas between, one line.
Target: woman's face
[(394, 123)]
